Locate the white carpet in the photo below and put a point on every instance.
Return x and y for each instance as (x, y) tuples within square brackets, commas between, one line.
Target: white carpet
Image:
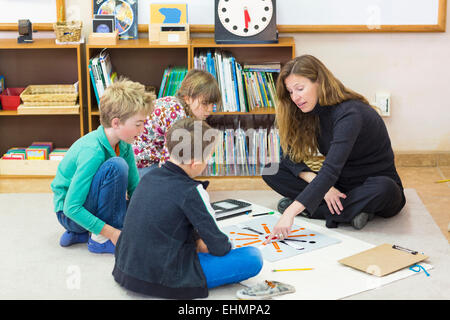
[(34, 266)]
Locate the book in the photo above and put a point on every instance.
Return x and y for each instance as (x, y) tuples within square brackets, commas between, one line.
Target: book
[(229, 208), (163, 83), (98, 77), (235, 84), (171, 81), (126, 12), (243, 87), (106, 66), (94, 84), (265, 67)]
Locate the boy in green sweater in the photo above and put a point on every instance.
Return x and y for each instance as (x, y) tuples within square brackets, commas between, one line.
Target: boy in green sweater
[(99, 170)]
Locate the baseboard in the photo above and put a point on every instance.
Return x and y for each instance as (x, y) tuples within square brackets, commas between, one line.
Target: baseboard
[(422, 159), (25, 184)]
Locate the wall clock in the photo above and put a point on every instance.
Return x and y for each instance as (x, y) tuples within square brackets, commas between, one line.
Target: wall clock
[(245, 21)]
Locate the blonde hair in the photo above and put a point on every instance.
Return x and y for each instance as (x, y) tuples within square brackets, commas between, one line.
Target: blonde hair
[(199, 84), (298, 131), (123, 99), (195, 144)]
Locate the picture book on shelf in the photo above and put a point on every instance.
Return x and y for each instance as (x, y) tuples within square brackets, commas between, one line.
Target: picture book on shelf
[(126, 12), (171, 81), (101, 72)]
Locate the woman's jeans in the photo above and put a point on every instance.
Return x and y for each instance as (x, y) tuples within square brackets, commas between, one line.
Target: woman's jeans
[(237, 265), (106, 198)]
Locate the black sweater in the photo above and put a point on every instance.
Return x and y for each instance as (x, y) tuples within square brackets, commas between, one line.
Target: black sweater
[(356, 144), (156, 251)]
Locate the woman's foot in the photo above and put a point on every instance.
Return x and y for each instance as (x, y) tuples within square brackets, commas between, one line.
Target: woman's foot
[(361, 220), (69, 238), (283, 204)]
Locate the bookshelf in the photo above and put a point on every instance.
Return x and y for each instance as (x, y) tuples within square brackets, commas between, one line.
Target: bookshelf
[(282, 52), (140, 61), (44, 62), (40, 62), (137, 60)]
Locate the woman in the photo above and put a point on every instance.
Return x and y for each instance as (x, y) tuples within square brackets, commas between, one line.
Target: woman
[(197, 95), (358, 178)]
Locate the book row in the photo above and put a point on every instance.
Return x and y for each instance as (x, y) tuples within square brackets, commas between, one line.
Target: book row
[(37, 151), (102, 74), (242, 152), (244, 87), (171, 81)]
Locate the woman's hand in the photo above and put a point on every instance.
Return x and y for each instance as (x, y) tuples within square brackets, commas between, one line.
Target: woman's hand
[(284, 225), (333, 200)]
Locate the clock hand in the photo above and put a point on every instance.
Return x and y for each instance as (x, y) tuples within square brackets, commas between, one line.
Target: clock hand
[(246, 17)]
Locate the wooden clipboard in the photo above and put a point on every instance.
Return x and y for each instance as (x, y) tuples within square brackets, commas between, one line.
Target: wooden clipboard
[(383, 259)]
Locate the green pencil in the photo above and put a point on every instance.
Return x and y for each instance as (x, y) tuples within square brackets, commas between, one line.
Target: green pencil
[(263, 214)]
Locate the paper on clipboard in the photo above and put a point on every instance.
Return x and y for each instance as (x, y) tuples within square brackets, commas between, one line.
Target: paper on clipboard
[(383, 259)]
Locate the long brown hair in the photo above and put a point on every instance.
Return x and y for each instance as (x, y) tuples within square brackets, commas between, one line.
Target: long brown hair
[(298, 131)]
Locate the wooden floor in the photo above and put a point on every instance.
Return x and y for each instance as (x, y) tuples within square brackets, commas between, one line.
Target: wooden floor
[(435, 196)]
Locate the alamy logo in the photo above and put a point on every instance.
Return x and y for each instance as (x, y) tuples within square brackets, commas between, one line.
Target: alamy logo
[(73, 281), (374, 19)]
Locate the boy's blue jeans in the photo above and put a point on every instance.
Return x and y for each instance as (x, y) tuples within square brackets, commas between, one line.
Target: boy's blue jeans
[(237, 265), (106, 198)]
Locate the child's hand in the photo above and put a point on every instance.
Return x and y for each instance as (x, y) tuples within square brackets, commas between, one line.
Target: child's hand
[(201, 246), (115, 236), (111, 233)]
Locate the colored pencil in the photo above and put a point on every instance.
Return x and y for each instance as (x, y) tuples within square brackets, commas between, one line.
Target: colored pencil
[(262, 214), (297, 269)]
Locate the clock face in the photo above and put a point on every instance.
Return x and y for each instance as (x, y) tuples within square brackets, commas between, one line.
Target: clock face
[(245, 18)]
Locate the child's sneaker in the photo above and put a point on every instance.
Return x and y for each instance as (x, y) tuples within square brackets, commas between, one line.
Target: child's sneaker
[(69, 238), (265, 290), (96, 247)]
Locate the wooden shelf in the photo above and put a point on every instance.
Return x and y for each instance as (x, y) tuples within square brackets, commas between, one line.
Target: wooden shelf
[(139, 61), (210, 43), (19, 168), (48, 43), (144, 62), (41, 110), (41, 62), (8, 113), (137, 43), (95, 112), (250, 113)]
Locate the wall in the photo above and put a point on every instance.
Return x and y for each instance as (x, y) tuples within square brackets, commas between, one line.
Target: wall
[(413, 67)]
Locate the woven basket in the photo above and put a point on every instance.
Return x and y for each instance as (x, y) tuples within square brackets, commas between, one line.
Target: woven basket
[(57, 94), (68, 31)]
